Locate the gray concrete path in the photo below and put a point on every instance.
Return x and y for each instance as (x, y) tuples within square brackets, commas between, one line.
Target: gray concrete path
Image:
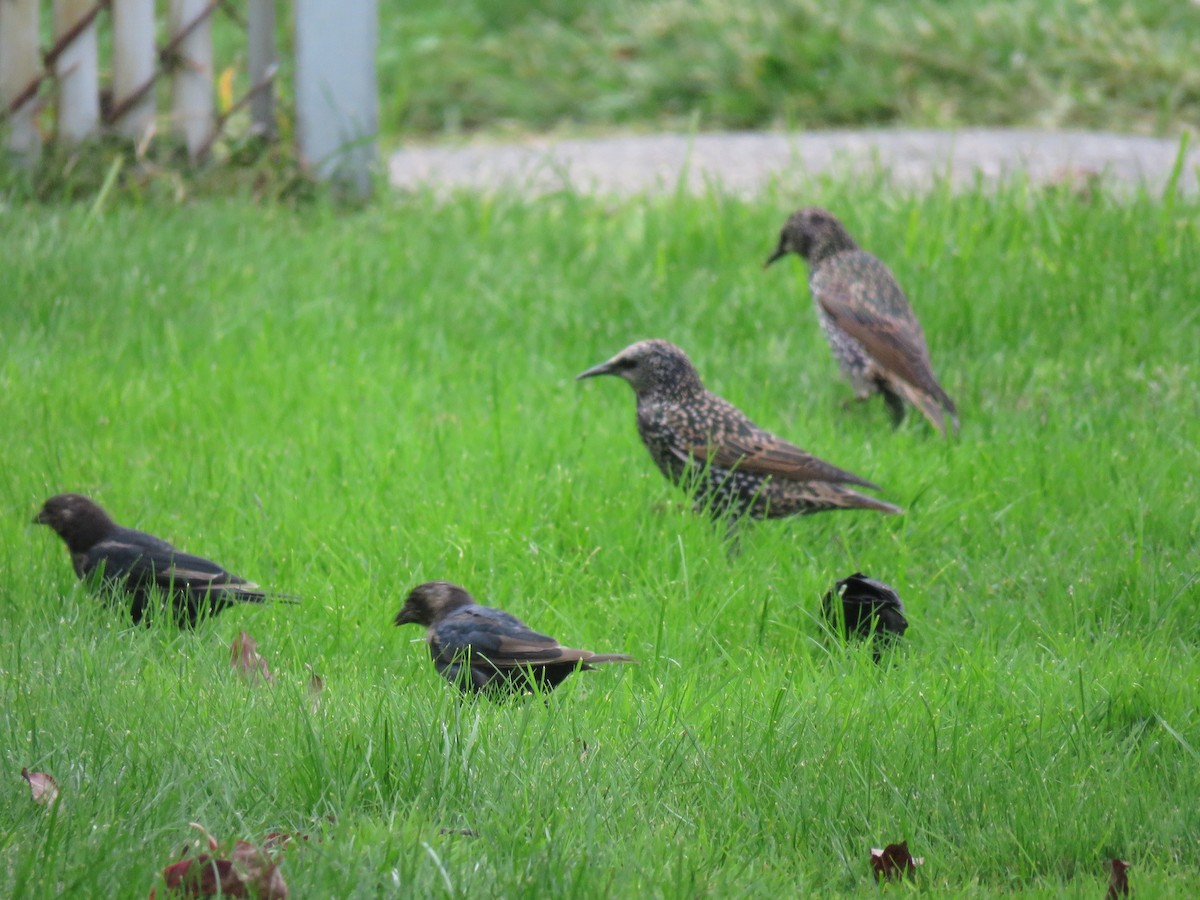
[(746, 163)]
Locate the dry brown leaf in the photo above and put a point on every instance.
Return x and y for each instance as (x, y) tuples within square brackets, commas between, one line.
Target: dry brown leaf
[(256, 868), (43, 787), (1118, 880), (251, 872), (243, 656), (894, 861)]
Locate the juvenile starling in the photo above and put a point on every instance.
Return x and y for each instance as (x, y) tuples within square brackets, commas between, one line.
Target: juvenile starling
[(480, 649), (870, 608), (866, 318), (708, 446), (140, 564)]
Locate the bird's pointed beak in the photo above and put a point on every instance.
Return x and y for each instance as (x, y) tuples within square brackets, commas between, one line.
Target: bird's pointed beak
[(605, 368), (405, 616), (780, 253), (39, 519)]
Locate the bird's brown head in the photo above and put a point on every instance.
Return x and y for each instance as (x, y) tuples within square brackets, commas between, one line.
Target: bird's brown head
[(426, 603), (813, 233), (651, 367), (79, 521)]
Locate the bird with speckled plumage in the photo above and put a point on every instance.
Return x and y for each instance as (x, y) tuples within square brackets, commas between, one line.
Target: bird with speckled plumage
[(479, 649), (869, 323), (709, 447)]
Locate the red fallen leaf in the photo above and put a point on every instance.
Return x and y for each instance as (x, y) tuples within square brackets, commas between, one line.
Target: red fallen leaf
[(1118, 881), (257, 869), (894, 861), (250, 873), (243, 656), (202, 876), (43, 787)]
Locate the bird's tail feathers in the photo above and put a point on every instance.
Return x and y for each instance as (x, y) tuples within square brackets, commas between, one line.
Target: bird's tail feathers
[(935, 404), (610, 658), (253, 595), (837, 497)]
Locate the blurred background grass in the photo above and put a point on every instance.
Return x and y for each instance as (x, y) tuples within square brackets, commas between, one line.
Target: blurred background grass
[(467, 65)]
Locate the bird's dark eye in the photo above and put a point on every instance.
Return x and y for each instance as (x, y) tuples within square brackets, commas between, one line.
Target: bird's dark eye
[(624, 364)]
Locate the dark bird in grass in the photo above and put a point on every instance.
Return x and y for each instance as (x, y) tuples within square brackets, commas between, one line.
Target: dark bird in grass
[(869, 609), (480, 649), (867, 320), (707, 445), (141, 565)]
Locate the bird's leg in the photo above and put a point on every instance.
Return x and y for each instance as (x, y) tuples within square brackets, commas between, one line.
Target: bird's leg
[(895, 403)]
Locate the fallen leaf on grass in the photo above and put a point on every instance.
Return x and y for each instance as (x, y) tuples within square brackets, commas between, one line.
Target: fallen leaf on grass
[(894, 861), (243, 656), (250, 872), (1118, 880), (43, 787)]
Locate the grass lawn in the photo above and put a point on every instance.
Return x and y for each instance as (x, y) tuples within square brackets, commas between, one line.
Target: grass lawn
[(569, 64), (343, 404)]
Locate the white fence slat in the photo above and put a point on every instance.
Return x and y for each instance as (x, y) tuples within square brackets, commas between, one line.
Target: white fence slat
[(134, 59), (261, 56), (192, 106), (77, 71), (337, 106), (20, 67)]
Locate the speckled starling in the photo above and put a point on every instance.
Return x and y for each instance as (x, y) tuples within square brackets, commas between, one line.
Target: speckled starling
[(866, 318), (139, 564), (709, 447), (481, 649), (869, 608)]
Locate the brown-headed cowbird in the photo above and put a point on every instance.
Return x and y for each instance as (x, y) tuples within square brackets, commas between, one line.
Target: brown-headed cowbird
[(867, 320), (869, 609), (480, 649), (710, 448), (141, 565)]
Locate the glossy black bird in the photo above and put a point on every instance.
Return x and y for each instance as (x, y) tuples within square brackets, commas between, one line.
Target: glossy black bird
[(867, 320), (710, 448), (869, 608), (141, 564), (480, 649)]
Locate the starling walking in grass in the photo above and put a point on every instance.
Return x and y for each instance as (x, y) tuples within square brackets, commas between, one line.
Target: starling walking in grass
[(869, 609), (708, 446), (480, 649), (866, 318), (141, 565)]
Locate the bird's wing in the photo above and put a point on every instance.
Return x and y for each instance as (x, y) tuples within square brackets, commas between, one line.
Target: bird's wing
[(500, 638), (748, 448), (861, 297), (858, 588), (144, 559)]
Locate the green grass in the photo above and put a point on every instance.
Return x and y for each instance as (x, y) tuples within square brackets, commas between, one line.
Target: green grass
[(344, 404), (483, 64)]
